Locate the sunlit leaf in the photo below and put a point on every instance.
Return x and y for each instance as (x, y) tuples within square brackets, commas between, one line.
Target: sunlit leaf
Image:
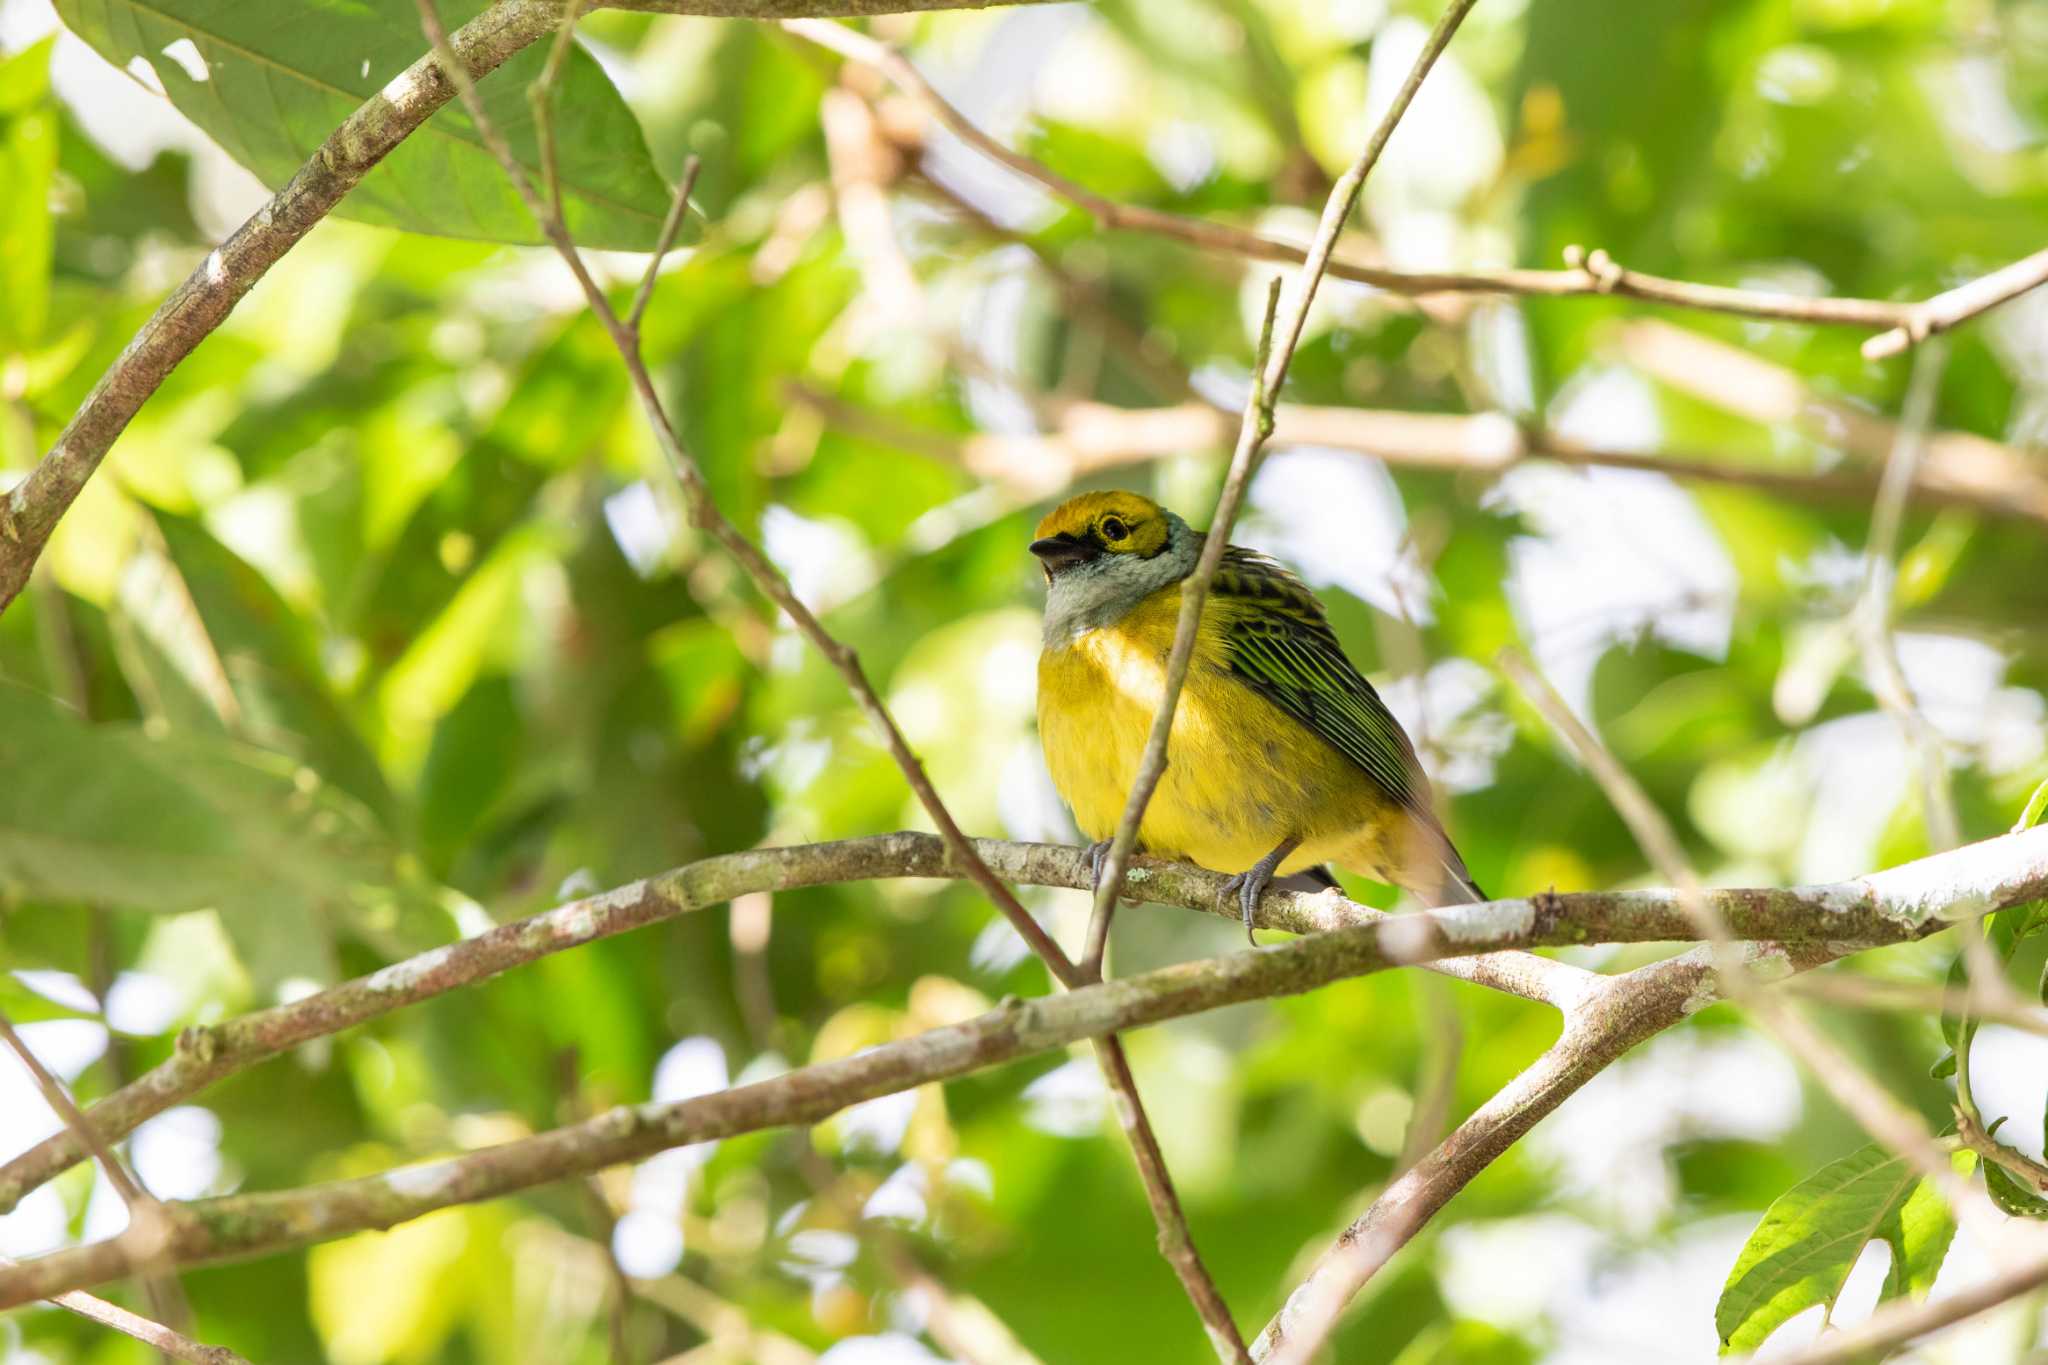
[(193, 822), (270, 92), (1801, 1253)]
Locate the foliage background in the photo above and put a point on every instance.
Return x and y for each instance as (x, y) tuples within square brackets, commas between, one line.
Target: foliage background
[(383, 623)]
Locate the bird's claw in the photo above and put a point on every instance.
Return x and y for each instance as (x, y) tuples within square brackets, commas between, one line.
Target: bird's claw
[(1098, 854), (1247, 886)]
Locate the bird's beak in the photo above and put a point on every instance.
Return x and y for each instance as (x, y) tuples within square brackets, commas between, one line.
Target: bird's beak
[(1064, 551)]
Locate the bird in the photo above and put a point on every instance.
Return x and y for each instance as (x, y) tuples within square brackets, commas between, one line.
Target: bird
[(1282, 757)]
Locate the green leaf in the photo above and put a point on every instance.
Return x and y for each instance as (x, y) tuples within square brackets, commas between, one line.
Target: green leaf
[(2011, 1195), (2036, 804), (28, 161), (110, 815), (271, 662), (26, 1004), (1801, 1252), (269, 85)]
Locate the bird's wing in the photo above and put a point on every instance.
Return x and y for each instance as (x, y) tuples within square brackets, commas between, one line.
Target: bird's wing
[(1278, 641)]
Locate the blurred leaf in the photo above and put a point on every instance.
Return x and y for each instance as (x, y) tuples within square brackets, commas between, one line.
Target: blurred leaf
[(2036, 805), (193, 823), (271, 661), (1801, 1252), (25, 1004), (1924, 569), (420, 1276), (1467, 1343), (270, 93), (2011, 1195), (28, 162)]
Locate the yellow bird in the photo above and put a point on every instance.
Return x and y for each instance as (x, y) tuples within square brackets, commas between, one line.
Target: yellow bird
[(1282, 757)]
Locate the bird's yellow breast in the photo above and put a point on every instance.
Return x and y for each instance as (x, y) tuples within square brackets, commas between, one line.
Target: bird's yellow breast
[(1242, 775)]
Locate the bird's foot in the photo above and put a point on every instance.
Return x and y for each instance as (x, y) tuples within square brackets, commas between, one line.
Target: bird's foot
[(1251, 884), (1098, 858)]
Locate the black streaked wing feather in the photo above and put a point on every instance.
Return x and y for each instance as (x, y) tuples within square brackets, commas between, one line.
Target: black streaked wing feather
[(1287, 653)]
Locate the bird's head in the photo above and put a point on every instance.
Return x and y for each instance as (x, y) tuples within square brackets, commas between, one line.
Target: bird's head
[(1095, 530), (1103, 553)]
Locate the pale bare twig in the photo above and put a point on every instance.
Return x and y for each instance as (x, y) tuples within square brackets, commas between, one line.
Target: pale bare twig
[(1902, 1321), (1884, 906), (1615, 1014), (1889, 906), (30, 511), (1883, 1117), (705, 514), (734, 1338), (1959, 305), (1872, 614), (1279, 337), (1865, 992), (1254, 425), (174, 1345), (148, 1227), (205, 1054), (1586, 273), (1957, 466)]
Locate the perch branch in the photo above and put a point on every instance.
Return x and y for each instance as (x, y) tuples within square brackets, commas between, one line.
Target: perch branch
[(1889, 906)]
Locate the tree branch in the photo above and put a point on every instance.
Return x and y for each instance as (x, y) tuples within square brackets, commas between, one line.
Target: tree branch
[(1090, 438), (142, 1240), (1586, 273), (1616, 1014), (1827, 920), (1902, 1321), (1889, 906), (1959, 305), (175, 1345)]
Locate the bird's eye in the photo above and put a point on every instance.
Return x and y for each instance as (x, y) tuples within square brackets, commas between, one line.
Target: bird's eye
[(1113, 528)]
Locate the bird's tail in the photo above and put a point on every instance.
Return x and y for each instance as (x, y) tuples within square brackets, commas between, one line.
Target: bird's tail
[(1436, 873), (1455, 886)]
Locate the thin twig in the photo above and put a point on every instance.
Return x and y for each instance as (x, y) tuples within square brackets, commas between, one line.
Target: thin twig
[(175, 1345), (205, 1054), (1586, 273), (1959, 305), (1256, 419), (1892, 906), (1889, 906), (1175, 1242), (705, 514), (1971, 880), (1883, 1117), (1272, 359), (148, 1225), (1896, 1323), (1866, 992), (1614, 1015), (1268, 378), (1872, 614)]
